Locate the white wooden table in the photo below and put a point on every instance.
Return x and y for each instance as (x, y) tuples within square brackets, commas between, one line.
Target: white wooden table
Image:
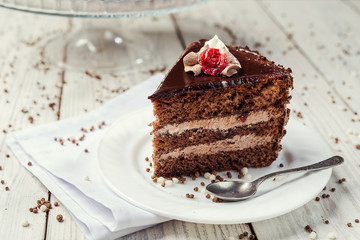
[(319, 40)]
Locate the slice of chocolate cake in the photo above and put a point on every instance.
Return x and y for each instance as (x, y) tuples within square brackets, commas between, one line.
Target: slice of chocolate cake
[(219, 108)]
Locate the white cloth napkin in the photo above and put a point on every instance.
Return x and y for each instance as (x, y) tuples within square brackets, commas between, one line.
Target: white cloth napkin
[(99, 212)]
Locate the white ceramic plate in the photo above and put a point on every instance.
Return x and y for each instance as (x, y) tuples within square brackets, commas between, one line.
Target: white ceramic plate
[(121, 156)]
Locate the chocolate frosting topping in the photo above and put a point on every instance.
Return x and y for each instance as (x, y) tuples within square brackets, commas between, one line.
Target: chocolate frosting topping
[(254, 68)]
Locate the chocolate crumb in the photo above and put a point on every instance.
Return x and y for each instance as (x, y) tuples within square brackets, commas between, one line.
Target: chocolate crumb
[(349, 224), (193, 178), (317, 199), (86, 150), (2, 181), (218, 177), (163, 184), (148, 169), (182, 180), (326, 222), (191, 195), (29, 164), (246, 234), (187, 195), (56, 204), (251, 237), (241, 236), (323, 196), (7, 155), (31, 209), (35, 210), (208, 196), (59, 218), (343, 179), (357, 146), (281, 165), (196, 189), (202, 184), (308, 228), (357, 220), (7, 188), (150, 164), (324, 188), (332, 189), (31, 119), (147, 159), (0, 167)]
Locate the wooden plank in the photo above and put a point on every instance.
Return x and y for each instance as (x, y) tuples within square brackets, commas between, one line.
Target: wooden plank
[(310, 97), (27, 88), (67, 229), (179, 230), (354, 4), (328, 39)]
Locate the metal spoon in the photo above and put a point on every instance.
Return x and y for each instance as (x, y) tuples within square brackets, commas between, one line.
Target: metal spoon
[(239, 190)]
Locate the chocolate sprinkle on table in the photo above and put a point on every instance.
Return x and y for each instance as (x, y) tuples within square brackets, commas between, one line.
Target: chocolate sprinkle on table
[(59, 218)]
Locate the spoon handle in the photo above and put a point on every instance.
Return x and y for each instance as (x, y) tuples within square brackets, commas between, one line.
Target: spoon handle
[(330, 162)]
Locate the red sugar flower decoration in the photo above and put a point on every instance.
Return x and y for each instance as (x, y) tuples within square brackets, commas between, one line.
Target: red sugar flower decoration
[(212, 61)]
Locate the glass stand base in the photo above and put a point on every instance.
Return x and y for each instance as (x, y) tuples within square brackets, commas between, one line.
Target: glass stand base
[(97, 49)]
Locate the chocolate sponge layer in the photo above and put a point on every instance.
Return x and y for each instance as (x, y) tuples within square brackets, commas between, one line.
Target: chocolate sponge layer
[(221, 102), (260, 156)]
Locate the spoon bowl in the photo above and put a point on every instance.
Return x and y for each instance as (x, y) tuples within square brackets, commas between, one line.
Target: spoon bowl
[(240, 190), (232, 191)]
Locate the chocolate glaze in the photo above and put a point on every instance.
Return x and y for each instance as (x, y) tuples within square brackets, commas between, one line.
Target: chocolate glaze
[(254, 68)]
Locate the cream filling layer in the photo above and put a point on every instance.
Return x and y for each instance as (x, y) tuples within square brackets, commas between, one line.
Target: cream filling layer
[(218, 123), (231, 144)]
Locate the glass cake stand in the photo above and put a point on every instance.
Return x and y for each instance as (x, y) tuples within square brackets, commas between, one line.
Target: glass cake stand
[(105, 47)]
